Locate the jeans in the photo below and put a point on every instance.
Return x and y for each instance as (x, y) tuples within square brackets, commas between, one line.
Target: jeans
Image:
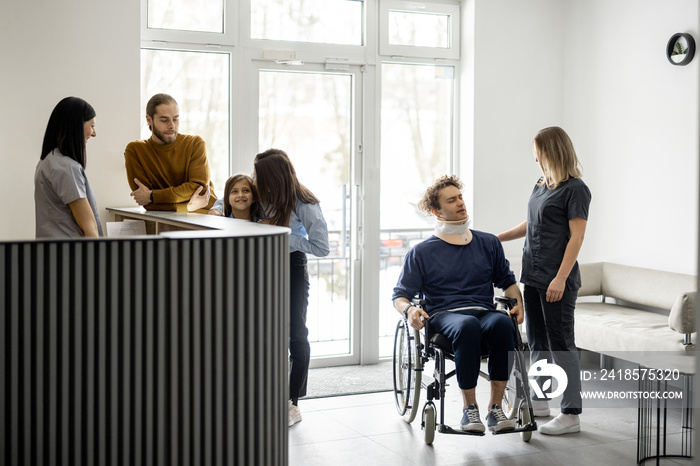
[(550, 334), (299, 349), (473, 332)]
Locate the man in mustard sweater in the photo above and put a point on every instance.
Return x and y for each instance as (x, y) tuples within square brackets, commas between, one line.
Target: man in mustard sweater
[(169, 171)]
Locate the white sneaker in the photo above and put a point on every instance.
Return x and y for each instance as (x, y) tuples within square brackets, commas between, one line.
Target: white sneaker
[(540, 408), (562, 424), (294, 414)]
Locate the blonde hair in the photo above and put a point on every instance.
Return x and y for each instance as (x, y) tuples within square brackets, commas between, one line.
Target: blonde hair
[(556, 157)]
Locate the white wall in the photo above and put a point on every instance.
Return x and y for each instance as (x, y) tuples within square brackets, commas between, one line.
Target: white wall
[(598, 69), (634, 119), (51, 50), (518, 84)]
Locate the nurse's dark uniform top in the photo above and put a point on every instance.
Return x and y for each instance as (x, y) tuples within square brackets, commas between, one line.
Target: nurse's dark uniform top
[(548, 215)]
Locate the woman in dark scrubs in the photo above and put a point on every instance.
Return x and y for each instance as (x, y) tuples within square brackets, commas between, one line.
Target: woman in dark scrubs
[(554, 230)]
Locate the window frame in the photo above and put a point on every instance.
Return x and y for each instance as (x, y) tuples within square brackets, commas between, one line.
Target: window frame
[(228, 37), (245, 57), (307, 52), (246, 36), (451, 9)]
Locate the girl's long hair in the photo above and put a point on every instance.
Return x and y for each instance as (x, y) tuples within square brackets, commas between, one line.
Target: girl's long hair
[(556, 156), (65, 129), (254, 207), (278, 186)]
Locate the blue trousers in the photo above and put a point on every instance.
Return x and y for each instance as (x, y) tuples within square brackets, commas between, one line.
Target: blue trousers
[(473, 332), (550, 334)]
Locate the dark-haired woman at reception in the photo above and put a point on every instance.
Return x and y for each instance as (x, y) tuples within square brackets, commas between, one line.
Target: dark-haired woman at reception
[(557, 215), (284, 201), (64, 202)]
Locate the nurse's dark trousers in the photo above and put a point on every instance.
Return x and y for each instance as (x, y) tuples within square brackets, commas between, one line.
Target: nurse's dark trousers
[(550, 334)]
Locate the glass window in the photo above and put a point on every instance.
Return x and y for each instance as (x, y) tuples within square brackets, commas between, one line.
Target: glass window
[(319, 21), (309, 116), (186, 15), (416, 134), (419, 29), (199, 82)]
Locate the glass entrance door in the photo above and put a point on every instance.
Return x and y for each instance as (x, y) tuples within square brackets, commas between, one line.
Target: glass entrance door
[(310, 114), (416, 134)]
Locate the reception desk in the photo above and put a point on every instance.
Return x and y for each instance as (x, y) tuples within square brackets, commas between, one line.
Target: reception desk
[(159, 222), (158, 349)]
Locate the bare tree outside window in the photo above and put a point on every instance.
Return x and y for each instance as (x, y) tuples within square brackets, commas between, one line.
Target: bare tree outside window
[(199, 82), (206, 16), (319, 21), (419, 29), (416, 136), (416, 133), (309, 116)]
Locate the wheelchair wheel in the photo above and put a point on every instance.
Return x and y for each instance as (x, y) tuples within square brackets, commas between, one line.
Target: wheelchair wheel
[(511, 400), (428, 424), (407, 372)]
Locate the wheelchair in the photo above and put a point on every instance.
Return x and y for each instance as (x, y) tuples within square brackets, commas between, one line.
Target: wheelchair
[(414, 348)]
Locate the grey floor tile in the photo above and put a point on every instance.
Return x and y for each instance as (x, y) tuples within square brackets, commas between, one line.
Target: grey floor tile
[(336, 402), (370, 420), (367, 430), (360, 451), (318, 427), (456, 449)]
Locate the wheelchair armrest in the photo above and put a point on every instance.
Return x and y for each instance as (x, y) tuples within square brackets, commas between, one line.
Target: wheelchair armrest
[(508, 303), (418, 302)]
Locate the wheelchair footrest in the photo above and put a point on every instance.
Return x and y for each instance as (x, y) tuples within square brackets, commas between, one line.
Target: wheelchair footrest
[(530, 427), (445, 429)]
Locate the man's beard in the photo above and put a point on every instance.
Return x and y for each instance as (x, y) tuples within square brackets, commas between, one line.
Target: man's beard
[(165, 139)]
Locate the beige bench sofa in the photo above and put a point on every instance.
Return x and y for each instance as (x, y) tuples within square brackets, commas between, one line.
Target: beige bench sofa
[(624, 308)]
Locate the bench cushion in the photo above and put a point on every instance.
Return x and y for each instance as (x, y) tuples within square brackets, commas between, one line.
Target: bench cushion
[(682, 316), (603, 328), (654, 288)]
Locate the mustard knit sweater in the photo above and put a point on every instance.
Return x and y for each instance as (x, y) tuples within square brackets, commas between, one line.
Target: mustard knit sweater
[(173, 171)]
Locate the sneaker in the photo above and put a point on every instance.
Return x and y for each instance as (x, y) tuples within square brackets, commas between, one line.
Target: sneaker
[(294, 414), (562, 424), (497, 420), (540, 408), (471, 421)]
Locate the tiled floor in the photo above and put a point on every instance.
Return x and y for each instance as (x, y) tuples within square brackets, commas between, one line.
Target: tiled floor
[(367, 430)]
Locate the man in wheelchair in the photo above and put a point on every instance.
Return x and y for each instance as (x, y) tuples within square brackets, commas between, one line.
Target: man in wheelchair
[(456, 271)]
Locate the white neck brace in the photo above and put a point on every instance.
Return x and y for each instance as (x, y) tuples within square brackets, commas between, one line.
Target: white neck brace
[(453, 231)]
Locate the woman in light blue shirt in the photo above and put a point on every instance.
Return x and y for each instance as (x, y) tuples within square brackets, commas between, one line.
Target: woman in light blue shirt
[(286, 202)]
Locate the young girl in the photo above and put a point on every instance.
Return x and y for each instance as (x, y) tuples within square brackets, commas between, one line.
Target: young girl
[(554, 229), (239, 200), (286, 202), (64, 202)]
